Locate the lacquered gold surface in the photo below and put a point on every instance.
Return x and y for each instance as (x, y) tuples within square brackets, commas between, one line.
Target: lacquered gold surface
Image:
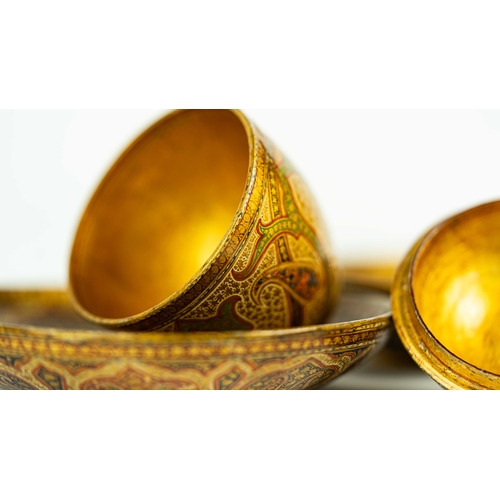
[(202, 221), (45, 345), (445, 300)]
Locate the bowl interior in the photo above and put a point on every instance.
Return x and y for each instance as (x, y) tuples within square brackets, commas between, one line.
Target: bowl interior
[(456, 285), (160, 213)]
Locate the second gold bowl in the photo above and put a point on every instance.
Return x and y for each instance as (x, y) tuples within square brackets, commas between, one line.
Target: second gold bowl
[(445, 300)]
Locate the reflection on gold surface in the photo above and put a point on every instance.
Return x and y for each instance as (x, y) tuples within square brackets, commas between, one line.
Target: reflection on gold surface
[(465, 305)]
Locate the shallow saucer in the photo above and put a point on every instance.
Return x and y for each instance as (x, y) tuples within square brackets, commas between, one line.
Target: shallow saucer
[(45, 345)]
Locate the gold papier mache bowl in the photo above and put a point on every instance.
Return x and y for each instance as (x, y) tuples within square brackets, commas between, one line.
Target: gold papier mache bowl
[(445, 300), (202, 224), (44, 344)]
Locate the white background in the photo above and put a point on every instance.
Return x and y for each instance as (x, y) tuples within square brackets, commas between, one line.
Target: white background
[(381, 177), (407, 170)]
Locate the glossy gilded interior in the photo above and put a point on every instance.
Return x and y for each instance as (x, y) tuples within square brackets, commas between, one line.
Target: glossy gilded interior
[(160, 213), (456, 286)]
